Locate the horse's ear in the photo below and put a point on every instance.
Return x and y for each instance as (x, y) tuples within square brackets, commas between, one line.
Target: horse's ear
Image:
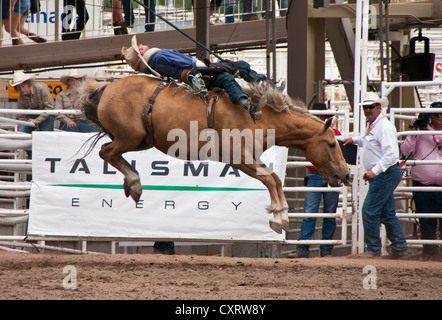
[(326, 125), (335, 120)]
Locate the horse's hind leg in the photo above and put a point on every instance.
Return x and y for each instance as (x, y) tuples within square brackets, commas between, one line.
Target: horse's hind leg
[(112, 153)]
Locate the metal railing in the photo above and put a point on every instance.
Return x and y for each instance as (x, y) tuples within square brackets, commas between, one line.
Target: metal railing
[(410, 163), (56, 22)]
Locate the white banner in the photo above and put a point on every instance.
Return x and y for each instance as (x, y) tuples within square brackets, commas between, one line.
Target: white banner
[(72, 196)]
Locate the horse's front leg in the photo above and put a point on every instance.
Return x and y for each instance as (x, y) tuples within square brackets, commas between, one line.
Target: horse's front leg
[(132, 183), (284, 214), (263, 173)]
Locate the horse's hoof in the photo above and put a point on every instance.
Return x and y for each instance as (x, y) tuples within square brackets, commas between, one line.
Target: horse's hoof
[(275, 225), (285, 225), (136, 191), (126, 189), (285, 218), (136, 197)]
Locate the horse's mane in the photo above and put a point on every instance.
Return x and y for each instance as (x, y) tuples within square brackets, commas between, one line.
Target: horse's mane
[(268, 95)]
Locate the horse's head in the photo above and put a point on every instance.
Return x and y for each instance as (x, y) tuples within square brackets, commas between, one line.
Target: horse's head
[(326, 155)]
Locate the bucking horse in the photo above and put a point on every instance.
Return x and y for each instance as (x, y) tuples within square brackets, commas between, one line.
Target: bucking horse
[(140, 112)]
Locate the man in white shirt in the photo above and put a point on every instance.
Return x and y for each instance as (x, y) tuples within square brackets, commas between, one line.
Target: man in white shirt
[(381, 160)]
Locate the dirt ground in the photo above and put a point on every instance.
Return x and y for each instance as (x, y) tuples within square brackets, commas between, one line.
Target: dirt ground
[(37, 276)]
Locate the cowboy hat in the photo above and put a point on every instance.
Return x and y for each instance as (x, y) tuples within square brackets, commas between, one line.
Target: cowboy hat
[(132, 56), (20, 77), (101, 75), (73, 74), (373, 98)]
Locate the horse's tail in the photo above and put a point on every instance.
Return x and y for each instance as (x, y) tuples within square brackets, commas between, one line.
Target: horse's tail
[(89, 95)]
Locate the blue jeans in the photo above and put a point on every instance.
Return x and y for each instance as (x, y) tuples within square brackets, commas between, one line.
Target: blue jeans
[(81, 19), (128, 12), (82, 126), (47, 125), (283, 5), (428, 202), (246, 5), (379, 207), (150, 16), (311, 205), (227, 82)]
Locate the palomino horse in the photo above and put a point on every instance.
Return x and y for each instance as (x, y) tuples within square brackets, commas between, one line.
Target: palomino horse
[(119, 108)]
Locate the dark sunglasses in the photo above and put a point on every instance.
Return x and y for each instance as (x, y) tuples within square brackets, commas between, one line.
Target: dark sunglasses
[(436, 114), (369, 107)]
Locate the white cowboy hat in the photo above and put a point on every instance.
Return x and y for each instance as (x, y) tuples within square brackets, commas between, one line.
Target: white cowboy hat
[(20, 77), (372, 98), (101, 75), (132, 55), (72, 74)]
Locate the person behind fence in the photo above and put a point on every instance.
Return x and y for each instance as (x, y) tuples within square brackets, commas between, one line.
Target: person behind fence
[(67, 99), (18, 22), (312, 202), (78, 19), (118, 22), (33, 95), (171, 63), (150, 17), (380, 159), (426, 147), (5, 7), (248, 9)]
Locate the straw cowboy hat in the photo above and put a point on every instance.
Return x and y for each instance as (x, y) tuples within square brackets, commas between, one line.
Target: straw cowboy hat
[(132, 55), (20, 77), (73, 74), (101, 75), (372, 98)]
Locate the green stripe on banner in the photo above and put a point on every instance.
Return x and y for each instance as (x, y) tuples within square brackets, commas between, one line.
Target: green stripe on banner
[(150, 187)]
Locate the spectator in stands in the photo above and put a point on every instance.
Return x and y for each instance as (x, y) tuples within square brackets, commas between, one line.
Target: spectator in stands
[(17, 24), (213, 5), (311, 205), (121, 24), (67, 99), (118, 22), (150, 16), (33, 95), (427, 147), (5, 7), (381, 160), (247, 6), (80, 18), (9, 22), (282, 8)]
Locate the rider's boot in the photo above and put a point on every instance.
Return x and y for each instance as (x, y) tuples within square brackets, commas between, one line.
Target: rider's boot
[(251, 108)]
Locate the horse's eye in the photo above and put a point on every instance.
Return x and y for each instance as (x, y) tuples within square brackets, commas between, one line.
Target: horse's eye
[(332, 145)]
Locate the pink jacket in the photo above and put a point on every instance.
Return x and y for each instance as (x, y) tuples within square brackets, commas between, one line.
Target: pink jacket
[(425, 147)]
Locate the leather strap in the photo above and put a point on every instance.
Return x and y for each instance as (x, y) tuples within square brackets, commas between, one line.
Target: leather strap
[(212, 100), (148, 111)]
